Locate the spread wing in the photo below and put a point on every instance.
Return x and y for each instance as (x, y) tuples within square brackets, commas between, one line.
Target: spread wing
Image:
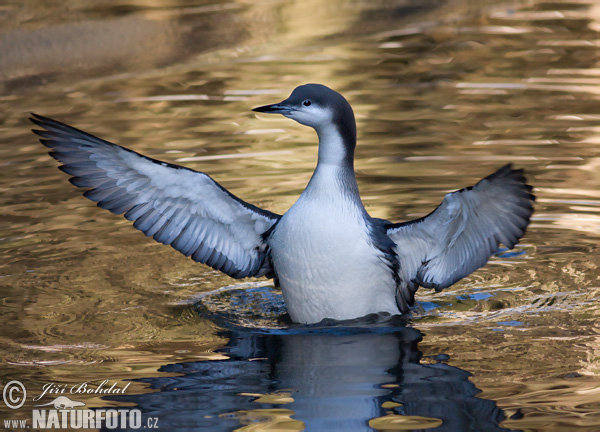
[(175, 205), (461, 234)]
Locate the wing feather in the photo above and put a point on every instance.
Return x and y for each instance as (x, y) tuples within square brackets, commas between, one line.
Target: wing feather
[(175, 205), (461, 234)]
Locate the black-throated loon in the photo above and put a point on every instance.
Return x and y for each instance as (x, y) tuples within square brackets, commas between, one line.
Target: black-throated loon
[(331, 259)]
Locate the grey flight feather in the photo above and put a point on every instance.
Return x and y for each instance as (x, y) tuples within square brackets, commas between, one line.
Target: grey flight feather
[(460, 235), (175, 205)]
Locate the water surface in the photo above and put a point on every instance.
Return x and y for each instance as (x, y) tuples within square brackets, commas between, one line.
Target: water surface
[(445, 92)]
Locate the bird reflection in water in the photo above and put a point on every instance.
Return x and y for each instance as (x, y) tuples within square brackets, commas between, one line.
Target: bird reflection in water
[(338, 376)]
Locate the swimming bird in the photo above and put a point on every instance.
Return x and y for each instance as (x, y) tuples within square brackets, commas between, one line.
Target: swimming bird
[(330, 257)]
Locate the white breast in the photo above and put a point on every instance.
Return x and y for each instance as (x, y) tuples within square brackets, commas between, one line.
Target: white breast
[(324, 258)]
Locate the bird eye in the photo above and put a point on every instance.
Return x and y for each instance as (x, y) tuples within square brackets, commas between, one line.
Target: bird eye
[(306, 102)]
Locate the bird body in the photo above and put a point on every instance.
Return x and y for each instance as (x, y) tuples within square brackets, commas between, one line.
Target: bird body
[(324, 256), (331, 259)]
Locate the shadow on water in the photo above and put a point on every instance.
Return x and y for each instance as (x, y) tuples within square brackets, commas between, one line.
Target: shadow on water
[(353, 375)]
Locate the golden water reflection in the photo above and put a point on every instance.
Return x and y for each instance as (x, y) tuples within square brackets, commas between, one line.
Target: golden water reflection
[(444, 93)]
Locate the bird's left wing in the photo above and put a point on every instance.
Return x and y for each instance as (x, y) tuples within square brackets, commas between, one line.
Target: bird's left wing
[(461, 234), (175, 205)]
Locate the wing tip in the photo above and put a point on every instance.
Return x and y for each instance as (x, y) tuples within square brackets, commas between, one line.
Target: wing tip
[(507, 172), (39, 120)]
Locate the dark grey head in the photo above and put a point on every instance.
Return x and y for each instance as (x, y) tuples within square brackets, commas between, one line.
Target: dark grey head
[(320, 107)]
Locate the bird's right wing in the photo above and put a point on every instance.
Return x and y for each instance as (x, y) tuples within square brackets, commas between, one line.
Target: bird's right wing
[(175, 205), (461, 234)]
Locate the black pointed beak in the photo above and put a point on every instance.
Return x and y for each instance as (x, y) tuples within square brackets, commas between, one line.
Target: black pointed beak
[(278, 108)]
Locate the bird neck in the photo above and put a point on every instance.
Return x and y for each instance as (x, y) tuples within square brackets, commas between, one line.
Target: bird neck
[(334, 174), (337, 142)]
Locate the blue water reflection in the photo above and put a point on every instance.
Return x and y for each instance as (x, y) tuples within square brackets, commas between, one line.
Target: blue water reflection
[(332, 377)]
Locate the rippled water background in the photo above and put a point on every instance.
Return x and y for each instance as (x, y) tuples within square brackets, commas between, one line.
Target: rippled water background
[(444, 92)]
